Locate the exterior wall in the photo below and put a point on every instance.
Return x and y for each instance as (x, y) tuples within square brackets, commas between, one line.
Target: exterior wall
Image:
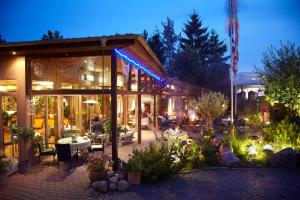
[(13, 68)]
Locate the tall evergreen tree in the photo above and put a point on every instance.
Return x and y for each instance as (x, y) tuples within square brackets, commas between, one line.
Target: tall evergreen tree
[(55, 35), (156, 44), (196, 36), (145, 35), (2, 39), (170, 41)]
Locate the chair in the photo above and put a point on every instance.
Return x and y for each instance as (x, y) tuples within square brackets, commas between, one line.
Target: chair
[(98, 144), (46, 151), (63, 152), (127, 138)]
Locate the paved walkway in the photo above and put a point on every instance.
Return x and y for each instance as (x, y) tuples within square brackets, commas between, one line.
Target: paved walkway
[(47, 182)]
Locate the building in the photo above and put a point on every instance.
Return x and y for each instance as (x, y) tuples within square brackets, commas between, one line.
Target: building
[(61, 85), (248, 85)]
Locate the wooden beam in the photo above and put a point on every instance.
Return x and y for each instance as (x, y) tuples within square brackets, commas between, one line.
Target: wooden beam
[(154, 112), (114, 110), (139, 108)]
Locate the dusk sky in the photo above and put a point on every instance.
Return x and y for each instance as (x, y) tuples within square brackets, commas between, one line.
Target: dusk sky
[(262, 22)]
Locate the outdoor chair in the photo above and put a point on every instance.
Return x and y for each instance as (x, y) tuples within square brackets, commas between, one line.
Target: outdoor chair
[(163, 125), (63, 152), (156, 131), (46, 151), (98, 145), (127, 138)]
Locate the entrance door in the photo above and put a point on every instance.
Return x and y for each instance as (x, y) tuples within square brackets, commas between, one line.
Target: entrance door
[(8, 119)]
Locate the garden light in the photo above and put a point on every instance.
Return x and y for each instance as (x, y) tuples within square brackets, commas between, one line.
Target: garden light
[(268, 147), (252, 150)]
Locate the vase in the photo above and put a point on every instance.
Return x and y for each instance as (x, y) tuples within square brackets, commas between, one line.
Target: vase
[(97, 176), (134, 178)]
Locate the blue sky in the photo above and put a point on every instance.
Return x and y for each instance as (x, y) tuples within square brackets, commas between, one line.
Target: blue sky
[(262, 22)]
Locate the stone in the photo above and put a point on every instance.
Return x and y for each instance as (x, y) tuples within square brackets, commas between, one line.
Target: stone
[(119, 176), (229, 159), (110, 174), (123, 185), (225, 149), (286, 158), (113, 179), (112, 186), (100, 186)]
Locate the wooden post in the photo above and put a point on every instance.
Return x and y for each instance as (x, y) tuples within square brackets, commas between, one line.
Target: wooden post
[(129, 77), (114, 110), (139, 108), (154, 111)]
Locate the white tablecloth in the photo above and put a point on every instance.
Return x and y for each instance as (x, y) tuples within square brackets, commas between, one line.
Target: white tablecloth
[(82, 143)]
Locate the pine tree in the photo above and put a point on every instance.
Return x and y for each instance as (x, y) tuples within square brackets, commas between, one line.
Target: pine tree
[(170, 41), (156, 44), (145, 35), (196, 35), (55, 35)]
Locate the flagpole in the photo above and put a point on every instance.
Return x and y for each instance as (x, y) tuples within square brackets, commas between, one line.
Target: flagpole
[(231, 62)]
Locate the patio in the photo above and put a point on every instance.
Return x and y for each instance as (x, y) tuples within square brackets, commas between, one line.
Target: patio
[(47, 182)]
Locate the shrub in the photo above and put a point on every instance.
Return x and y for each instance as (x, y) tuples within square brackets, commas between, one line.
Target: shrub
[(283, 134), (3, 164), (186, 154), (208, 151), (155, 162)]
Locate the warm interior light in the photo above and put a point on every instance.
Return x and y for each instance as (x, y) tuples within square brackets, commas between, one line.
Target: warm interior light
[(14, 53), (90, 101), (134, 86)]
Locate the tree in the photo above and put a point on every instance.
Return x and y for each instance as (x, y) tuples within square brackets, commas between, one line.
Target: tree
[(145, 35), (281, 75), (55, 35), (211, 105), (2, 39), (169, 40), (217, 64), (156, 44)]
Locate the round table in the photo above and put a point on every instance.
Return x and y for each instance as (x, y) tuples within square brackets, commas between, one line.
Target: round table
[(82, 143)]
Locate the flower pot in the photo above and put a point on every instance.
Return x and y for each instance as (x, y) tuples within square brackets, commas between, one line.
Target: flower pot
[(23, 166), (3, 178), (97, 176), (134, 178)]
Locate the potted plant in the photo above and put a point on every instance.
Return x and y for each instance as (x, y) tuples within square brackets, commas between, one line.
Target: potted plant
[(134, 168), (98, 165), (3, 170), (26, 135)]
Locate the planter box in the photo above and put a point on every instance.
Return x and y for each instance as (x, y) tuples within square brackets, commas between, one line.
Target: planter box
[(134, 178)]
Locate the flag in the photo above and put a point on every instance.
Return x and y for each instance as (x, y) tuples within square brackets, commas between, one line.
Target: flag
[(233, 26)]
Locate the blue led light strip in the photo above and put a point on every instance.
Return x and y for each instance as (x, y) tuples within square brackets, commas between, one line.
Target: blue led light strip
[(144, 69)]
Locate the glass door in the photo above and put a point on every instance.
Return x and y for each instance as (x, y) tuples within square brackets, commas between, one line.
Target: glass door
[(8, 120)]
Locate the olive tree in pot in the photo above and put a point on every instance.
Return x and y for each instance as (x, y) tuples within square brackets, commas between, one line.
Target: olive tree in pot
[(26, 136), (3, 170), (212, 105)]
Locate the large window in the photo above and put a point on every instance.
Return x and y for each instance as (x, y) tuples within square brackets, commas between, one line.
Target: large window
[(90, 72)]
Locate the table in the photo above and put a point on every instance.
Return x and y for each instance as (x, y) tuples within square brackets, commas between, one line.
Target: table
[(82, 143)]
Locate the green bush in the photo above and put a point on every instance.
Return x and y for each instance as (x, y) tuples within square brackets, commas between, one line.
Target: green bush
[(283, 134), (208, 150), (155, 163), (3, 164), (186, 153)]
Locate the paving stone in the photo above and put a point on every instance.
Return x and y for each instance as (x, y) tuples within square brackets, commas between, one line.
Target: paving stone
[(47, 182)]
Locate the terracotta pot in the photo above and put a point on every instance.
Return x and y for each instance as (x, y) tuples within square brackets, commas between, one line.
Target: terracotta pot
[(97, 176), (134, 178), (23, 166), (3, 178)]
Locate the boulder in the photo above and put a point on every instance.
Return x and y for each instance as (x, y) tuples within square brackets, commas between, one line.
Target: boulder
[(113, 179), (229, 159), (100, 186), (110, 174), (112, 186), (119, 176), (286, 158), (123, 185)]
